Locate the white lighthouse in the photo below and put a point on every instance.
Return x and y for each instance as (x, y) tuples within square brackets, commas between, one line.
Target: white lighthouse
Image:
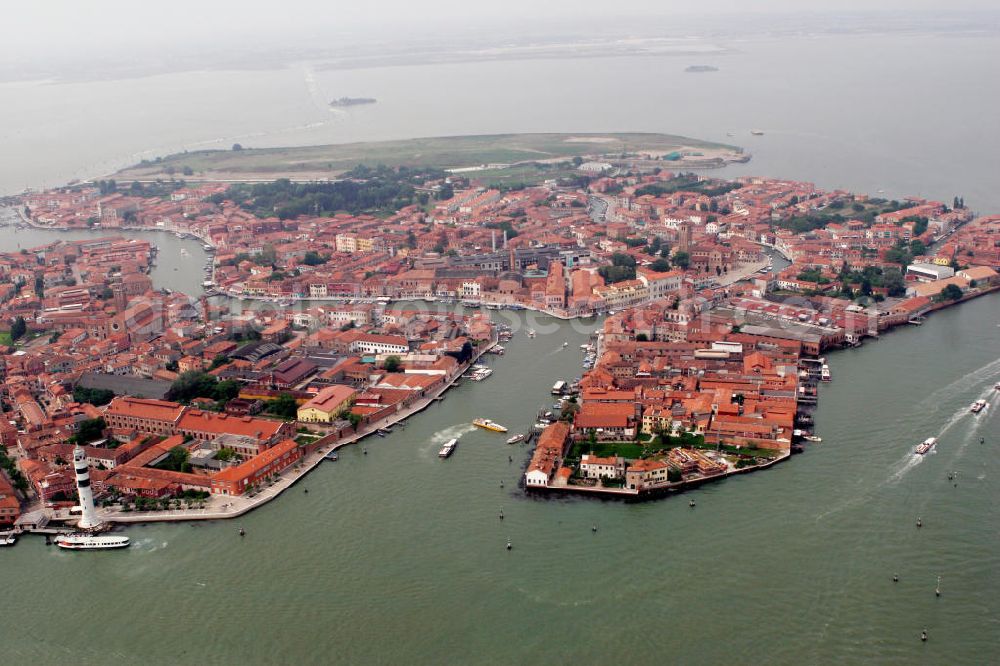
[(88, 517)]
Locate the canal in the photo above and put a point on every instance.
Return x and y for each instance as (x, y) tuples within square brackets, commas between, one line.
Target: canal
[(398, 556), (174, 269)]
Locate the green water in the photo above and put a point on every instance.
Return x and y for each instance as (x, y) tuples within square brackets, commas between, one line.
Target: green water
[(399, 557)]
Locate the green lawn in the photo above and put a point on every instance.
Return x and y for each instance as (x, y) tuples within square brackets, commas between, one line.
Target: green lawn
[(607, 449), (5, 339)]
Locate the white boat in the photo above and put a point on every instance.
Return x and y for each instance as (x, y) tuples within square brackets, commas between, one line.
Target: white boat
[(8, 539), (531, 332), (565, 344), (996, 387), (812, 438), (824, 373), (448, 448), (977, 406), (926, 445), (81, 541), (515, 439)]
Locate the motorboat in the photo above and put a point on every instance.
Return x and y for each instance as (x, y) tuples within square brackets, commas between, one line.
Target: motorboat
[(448, 448), (926, 445), (486, 424)]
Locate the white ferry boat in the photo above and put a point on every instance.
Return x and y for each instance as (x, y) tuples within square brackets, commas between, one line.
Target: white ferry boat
[(977, 406), (926, 445), (91, 541), (448, 448)]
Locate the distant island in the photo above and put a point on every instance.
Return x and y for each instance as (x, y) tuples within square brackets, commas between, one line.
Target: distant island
[(534, 154), (701, 68), (352, 101)]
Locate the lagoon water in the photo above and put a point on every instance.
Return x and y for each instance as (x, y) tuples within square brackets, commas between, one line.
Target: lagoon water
[(397, 556)]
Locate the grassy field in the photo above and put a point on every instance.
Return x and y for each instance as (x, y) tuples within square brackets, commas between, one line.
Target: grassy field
[(442, 152)]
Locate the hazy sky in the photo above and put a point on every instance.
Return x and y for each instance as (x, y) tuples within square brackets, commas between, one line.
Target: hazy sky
[(70, 27)]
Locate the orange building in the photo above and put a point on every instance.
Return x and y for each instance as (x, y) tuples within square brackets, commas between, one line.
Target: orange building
[(235, 480)]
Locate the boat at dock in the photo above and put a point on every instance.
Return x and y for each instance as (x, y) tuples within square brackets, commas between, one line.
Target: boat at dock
[(479, 372), (824, 373), (977, 406), (812, 438), (7, 539), (448, 448), (82, 541), (486, 424), (926, 445), (332, 455), (515, 439)]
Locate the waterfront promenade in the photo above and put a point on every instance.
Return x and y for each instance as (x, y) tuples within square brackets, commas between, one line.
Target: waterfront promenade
[(221, 507)]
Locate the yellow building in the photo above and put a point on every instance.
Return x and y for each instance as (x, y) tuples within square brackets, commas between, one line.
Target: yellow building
[(327, 404)]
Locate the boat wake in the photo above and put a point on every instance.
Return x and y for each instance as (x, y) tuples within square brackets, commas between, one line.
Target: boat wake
[(438, 439), (148, 545), (988, 371)]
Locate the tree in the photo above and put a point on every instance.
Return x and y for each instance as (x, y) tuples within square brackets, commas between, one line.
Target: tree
[(237, 147), (177, 460), (18, 328), (392, 363), (641, 337), (917, 248), (682, 260), (892, 280), (91, 430), (950, 293), (218, 361), (227, 390), (446, 192), (313, 259), (187, 171), (192, 384), (284, 406), (92, 396), (661, 265)]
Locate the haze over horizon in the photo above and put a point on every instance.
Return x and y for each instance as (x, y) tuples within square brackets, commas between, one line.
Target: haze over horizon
[(63, 40)]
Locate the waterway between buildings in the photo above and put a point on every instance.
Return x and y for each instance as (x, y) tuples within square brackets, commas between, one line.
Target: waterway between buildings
[(399, 556)]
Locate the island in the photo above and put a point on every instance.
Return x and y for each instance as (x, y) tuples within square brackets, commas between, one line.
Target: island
[(697, 69), (352, 101), (718, 302), (527, 158)]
